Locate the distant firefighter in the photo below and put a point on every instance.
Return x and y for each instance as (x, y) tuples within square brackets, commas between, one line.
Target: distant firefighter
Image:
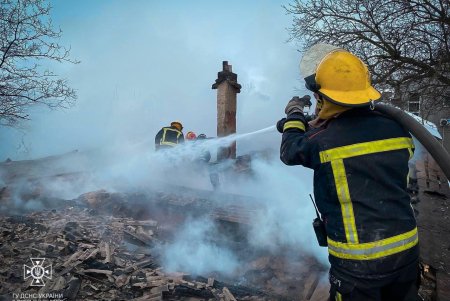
[(191, 136), (204, 159), (169, 137), (205, 155)]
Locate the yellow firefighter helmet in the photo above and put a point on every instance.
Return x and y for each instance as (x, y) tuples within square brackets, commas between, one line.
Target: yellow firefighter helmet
[(344, 79), (177, 124)]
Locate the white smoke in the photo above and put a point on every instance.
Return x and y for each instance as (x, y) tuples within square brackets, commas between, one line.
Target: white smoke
[(157, 65), (278, 196), (283, 217), (287, 209), (195, 250)]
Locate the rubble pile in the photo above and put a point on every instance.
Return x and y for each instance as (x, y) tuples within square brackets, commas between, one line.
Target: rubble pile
[(285, 273), (103, 257)]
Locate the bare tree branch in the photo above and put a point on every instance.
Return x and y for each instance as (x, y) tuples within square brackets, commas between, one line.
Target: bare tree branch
[(27, 38), (405, 43)]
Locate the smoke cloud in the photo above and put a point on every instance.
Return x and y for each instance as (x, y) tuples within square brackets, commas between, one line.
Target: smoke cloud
[(277, 195), (196, 251), (145, 64)]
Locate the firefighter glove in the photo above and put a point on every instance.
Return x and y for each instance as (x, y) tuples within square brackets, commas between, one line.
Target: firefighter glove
[(297, 104), (280, 125)]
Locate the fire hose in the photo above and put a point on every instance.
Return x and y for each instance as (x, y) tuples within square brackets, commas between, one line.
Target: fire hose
[(432, 145), (308, 66)]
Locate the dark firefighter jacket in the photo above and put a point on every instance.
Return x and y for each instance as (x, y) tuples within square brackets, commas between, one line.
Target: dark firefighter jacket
[(360, 163), (168, 137)]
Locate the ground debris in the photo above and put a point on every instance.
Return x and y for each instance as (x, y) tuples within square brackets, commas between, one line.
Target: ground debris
[(86, 253), (228, 295), (93, 258)]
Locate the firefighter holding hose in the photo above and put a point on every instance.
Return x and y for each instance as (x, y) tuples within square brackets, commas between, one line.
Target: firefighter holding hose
[(360, 162)]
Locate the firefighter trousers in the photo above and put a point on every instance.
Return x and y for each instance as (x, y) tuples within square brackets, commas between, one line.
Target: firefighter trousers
[(403, 287)]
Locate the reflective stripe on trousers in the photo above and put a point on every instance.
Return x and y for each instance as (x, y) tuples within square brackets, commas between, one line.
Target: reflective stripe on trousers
[(352, 249)]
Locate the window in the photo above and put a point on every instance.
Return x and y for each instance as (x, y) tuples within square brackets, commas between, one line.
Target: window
[(414, 104)]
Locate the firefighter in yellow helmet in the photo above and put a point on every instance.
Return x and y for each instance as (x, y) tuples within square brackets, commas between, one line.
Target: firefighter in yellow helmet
[(360, 162), (169, 136)]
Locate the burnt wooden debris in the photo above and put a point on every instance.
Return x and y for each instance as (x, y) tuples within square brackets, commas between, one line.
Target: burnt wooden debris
[(103, 245), (103, 257), (91, 261)]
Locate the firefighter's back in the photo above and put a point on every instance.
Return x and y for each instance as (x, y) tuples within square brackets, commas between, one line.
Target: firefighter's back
[(363, 159)]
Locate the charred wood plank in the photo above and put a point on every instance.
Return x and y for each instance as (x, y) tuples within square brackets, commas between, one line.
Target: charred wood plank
[(140, 238), (72, 291), (228, 295), (238, 291), (183, 290), (139, 265)]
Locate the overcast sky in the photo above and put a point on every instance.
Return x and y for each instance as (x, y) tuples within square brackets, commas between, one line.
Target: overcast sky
[(146, 63)]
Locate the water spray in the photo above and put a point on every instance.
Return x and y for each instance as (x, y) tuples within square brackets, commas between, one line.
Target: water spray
[(196, 148), (235, 137)]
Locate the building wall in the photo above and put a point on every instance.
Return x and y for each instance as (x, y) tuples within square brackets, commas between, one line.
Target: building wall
[(433, 116), (436, 117)]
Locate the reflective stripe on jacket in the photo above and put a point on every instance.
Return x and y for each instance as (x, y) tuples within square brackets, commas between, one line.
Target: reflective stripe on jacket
[(360, 162)]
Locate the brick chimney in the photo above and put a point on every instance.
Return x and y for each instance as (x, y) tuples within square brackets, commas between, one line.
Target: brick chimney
[(227, 88)]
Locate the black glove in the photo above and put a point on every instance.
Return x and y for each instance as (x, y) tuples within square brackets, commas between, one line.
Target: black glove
[(280, 125), (297, 104)]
